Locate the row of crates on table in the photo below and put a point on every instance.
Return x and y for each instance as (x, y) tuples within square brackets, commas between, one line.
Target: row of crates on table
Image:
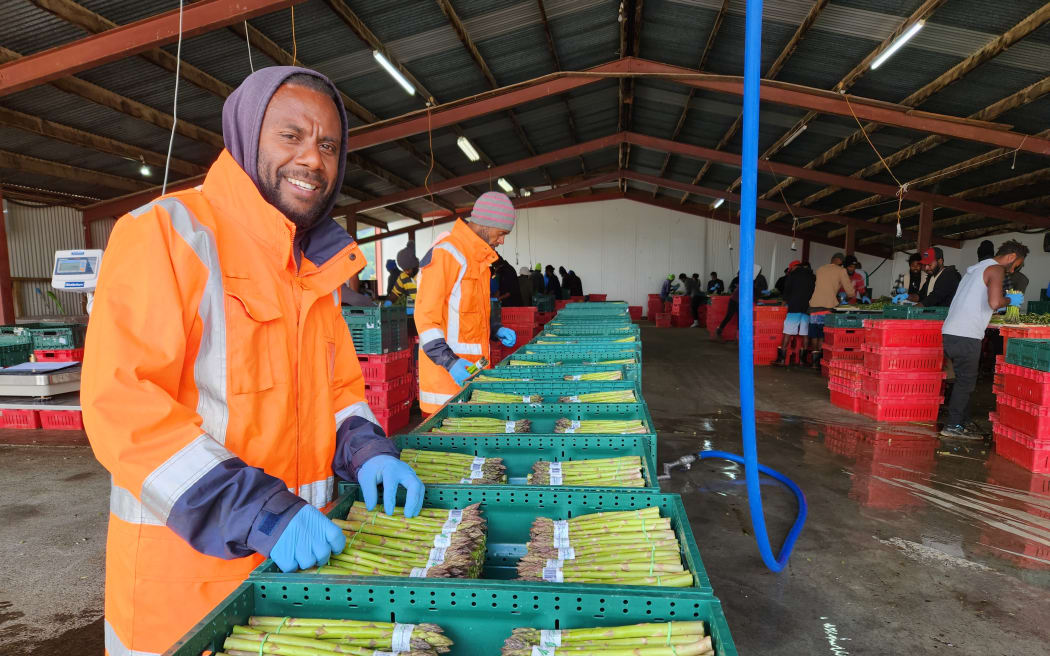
[(376, 329), (480, 613), (888, 370), (391, 386), (526, 322), (27, 418), (1021, 421), (57, 342)]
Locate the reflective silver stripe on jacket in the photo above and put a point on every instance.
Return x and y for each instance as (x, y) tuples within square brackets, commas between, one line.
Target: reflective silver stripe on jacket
[(163, 487), (126, 507), (434, 398), (114, 647), (454, 300), (358, 409), (318, 493)]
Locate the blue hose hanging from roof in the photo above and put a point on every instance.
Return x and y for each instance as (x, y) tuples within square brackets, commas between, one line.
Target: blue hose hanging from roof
[(748, 196)]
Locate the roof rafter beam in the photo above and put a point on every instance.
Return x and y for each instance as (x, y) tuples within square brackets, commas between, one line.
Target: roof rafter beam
[(37, 166), (131, 39), (464, 36), (77, 137), (922, 13), (704, 54), (574, 133), (630, 29), (774, 70), (988, 51)]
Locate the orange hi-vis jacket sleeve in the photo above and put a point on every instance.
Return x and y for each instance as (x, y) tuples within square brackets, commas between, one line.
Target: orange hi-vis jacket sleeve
[(452, 311), (221, 390)]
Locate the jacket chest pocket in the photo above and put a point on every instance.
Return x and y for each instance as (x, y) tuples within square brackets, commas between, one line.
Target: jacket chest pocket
[(474, 296), (254, 341)]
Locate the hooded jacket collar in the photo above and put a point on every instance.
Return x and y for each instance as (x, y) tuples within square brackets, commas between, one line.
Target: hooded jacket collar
[(477, 248)]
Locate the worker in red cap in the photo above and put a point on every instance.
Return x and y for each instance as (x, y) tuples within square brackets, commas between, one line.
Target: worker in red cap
[(938, 289), (798, 288)]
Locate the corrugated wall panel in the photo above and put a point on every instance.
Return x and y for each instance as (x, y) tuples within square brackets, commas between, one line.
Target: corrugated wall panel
[(100, 232), (33, 236)]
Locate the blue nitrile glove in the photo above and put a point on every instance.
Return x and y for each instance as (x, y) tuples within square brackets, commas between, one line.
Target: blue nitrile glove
[(507, 336), (392, 473), (387, 303), (899, 298), (866, 300), (308, 540), (1016, 299), (842, 297), (459, 371)]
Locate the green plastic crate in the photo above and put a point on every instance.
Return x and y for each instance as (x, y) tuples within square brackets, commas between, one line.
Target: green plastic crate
[(1038, 307), (845, 320), (574, 329), (543, 302), (547, 388), (544, 415), (477, 621), (376, 329), (914, 312), (510, 511), (1030, 353), (586, 341), (561, 358), (16, 353), (58, 336), (586, 352), (631, 372), (520, 452)]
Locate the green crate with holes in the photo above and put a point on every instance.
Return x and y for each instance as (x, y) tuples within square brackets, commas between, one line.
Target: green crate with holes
[(566, 372), (476, 620), (376, 329), (520, 452), (57, 336), (586, 341), (573, 328), (510, 511), (15, 353)]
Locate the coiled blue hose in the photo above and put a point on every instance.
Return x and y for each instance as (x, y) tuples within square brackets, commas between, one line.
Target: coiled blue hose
[(748, 198), (755, 502)]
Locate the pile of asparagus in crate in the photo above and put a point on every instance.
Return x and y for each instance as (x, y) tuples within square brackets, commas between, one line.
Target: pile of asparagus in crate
[(653, 639), (437, 543), (441, 467), (597, 472), (295, 636), (632, 547), (614, 396)]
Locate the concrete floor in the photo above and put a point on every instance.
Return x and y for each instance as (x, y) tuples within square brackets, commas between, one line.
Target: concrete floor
[(922, 547)]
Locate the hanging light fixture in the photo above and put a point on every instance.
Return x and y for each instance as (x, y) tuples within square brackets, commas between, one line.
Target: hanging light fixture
[(718, 203), (144, 170), (504, 185), (394, 73), (468, 149), (897, 44)]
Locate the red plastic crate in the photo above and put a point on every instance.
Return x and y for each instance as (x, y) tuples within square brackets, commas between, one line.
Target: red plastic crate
[(20, 418), (62, 419), (1024, 332), (525, 314), (766, 327), (824, 370), (1029, 418), (843, 383), (1034, 459), (599, 298), (655, 297), (59, 355), (681, 321), (523, 331), (843, 355), (394, 419), (668, 306), (560, 304), (655, 308), (843, 337), (902, 383), (845, 398), (635, 311), (892, 409), (663, 320), (386, 366), (772, 313), (389, 393), (576, 299), (544, 317), (879, 358), (1027, 384), (898, 333)]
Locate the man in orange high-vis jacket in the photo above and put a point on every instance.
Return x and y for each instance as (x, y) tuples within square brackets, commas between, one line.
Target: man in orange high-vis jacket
[(220, 387), (452, 300)]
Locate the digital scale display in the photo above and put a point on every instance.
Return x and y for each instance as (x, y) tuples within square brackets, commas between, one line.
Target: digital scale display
[(75, 266)]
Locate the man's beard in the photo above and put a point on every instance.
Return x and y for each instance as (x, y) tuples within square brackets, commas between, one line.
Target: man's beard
[(269, 187)]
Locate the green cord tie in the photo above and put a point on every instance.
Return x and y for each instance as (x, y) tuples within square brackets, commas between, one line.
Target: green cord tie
[(262, 644), (669, 636), (652, 558), (281, 625)]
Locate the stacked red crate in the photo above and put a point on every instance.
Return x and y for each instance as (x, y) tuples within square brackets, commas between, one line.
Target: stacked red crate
[(524, 321), (1021, 423), (841, 346), (390, 387), (656, 306), (716, 312), (681, 312), (901, 379), (768, 331), (635, 311), (597, 298), (662, 320)]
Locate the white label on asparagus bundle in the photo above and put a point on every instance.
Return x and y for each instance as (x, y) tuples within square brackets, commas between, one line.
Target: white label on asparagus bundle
[(566, 553), (478, 462), (554, 564), (385, 653), (442, 540), (550, 638), (418, 572), (562, 543), (553, 574), (526, 399), (541, 651), (464, 481), (402, 638), (574, 399), (570, 430), (509, 427), (476, 474), (561, 532), (555, 467), (475, 467), (456, 515), (555, 479), (576, 377), (451, 526), (574, 424), (436, 557)]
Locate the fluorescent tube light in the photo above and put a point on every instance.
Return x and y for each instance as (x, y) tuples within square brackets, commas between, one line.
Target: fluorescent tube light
[(468, 149), (794, 136), (394, 73), (506, 186), (718, 203), (897, 44)]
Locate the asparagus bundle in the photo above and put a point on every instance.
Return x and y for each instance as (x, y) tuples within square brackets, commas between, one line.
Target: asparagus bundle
[(530, 363), (613, 472), (320, 637), (624, 340), (455, 468), (653, 639), (567, 341), (623, 361), (597, 375), (615, 396), (482, 378), (616, 426), (437, 543), (633, 547), (1013, 313), (470, 425), (484, 396)]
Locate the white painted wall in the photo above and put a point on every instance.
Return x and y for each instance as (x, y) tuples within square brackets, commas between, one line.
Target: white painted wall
[(1036, 265), (622, 248)]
